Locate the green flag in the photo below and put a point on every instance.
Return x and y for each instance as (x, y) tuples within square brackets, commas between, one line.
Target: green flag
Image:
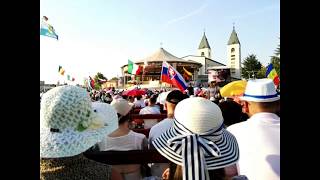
[(133, 68)]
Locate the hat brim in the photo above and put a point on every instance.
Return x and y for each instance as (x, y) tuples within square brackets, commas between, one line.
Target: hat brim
[(227, 144), (69, 142), (252, 99)]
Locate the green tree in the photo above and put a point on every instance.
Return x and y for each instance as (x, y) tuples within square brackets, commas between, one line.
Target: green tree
[(262, 72), (251, 66), (97, 84), (275, 60), (114, 79), (276, 64)]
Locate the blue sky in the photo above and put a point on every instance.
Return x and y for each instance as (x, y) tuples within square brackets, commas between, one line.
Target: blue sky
[(101, 35)]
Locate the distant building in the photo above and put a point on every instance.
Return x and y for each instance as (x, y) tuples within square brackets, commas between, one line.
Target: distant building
[(152, 68), (198, 64), (110, 83), (234, 55), (206, 58), (45, 87)]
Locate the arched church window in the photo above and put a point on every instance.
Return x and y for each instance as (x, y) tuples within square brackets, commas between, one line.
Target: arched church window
[(232, 50), (202, 53)]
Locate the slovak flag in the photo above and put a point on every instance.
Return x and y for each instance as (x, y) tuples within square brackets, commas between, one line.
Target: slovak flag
[(172, 76)]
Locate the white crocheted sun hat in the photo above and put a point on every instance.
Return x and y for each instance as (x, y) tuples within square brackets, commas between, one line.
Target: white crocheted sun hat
[(108, 115), (68, 124)]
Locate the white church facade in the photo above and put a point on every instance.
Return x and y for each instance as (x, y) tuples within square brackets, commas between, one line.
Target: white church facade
[(205, 57)]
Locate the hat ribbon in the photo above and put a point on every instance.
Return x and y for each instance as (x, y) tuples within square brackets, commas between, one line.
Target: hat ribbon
[(193, 148), (262, 97)]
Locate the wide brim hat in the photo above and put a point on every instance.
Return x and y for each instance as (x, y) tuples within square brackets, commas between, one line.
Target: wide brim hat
[(108, 115), (68, 124), (260, 90), (198, 122)]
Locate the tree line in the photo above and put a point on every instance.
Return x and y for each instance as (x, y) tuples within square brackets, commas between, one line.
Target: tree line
[(252, 67)]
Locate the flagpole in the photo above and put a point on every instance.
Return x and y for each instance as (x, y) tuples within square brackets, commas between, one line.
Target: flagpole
[(161, 76), (124, 81)]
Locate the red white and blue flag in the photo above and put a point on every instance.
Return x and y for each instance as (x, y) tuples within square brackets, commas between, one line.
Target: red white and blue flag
[(172, 76)]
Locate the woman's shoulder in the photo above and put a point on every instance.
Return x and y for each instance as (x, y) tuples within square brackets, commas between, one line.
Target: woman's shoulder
[(137, 135)]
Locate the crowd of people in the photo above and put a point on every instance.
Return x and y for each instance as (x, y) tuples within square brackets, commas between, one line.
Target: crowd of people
[(205, 135)]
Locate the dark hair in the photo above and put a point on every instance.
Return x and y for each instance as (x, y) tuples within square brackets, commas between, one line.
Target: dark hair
[(271, 106), (123, 119), (153, 99), (176, 96), (231, 112), (139, 97), (175, 172), (125, 97)]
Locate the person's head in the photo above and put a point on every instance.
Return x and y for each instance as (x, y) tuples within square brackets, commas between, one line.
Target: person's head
[(153, 99), (261, 96), (172, 99), (213, 84), (198, 130), (123, 109), (138, 97), (125, 97), (231, 112), (68, 123), (131, 99)]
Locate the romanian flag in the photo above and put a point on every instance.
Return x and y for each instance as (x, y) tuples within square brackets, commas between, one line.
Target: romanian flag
[(47, 30), (172, 76), (133, 68), (61, 70), (272, 74)]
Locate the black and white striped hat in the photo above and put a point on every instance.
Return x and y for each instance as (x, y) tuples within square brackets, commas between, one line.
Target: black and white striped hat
[(197, 140)]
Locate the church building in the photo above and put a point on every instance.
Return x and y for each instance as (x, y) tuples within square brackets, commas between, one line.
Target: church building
[(205, 56)]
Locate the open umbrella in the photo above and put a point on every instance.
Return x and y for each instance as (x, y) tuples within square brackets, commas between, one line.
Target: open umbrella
[(234, 88), (134, 92)]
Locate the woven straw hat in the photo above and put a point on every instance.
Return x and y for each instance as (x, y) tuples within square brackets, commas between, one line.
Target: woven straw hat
[(68, 124), (197, 140), (260, 90)]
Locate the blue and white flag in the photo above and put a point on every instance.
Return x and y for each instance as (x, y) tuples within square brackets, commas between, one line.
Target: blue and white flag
[(47, 30)]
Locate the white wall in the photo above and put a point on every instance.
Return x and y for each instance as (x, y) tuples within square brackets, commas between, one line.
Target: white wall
[(201, 60), (235, 61), (207, 52)]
